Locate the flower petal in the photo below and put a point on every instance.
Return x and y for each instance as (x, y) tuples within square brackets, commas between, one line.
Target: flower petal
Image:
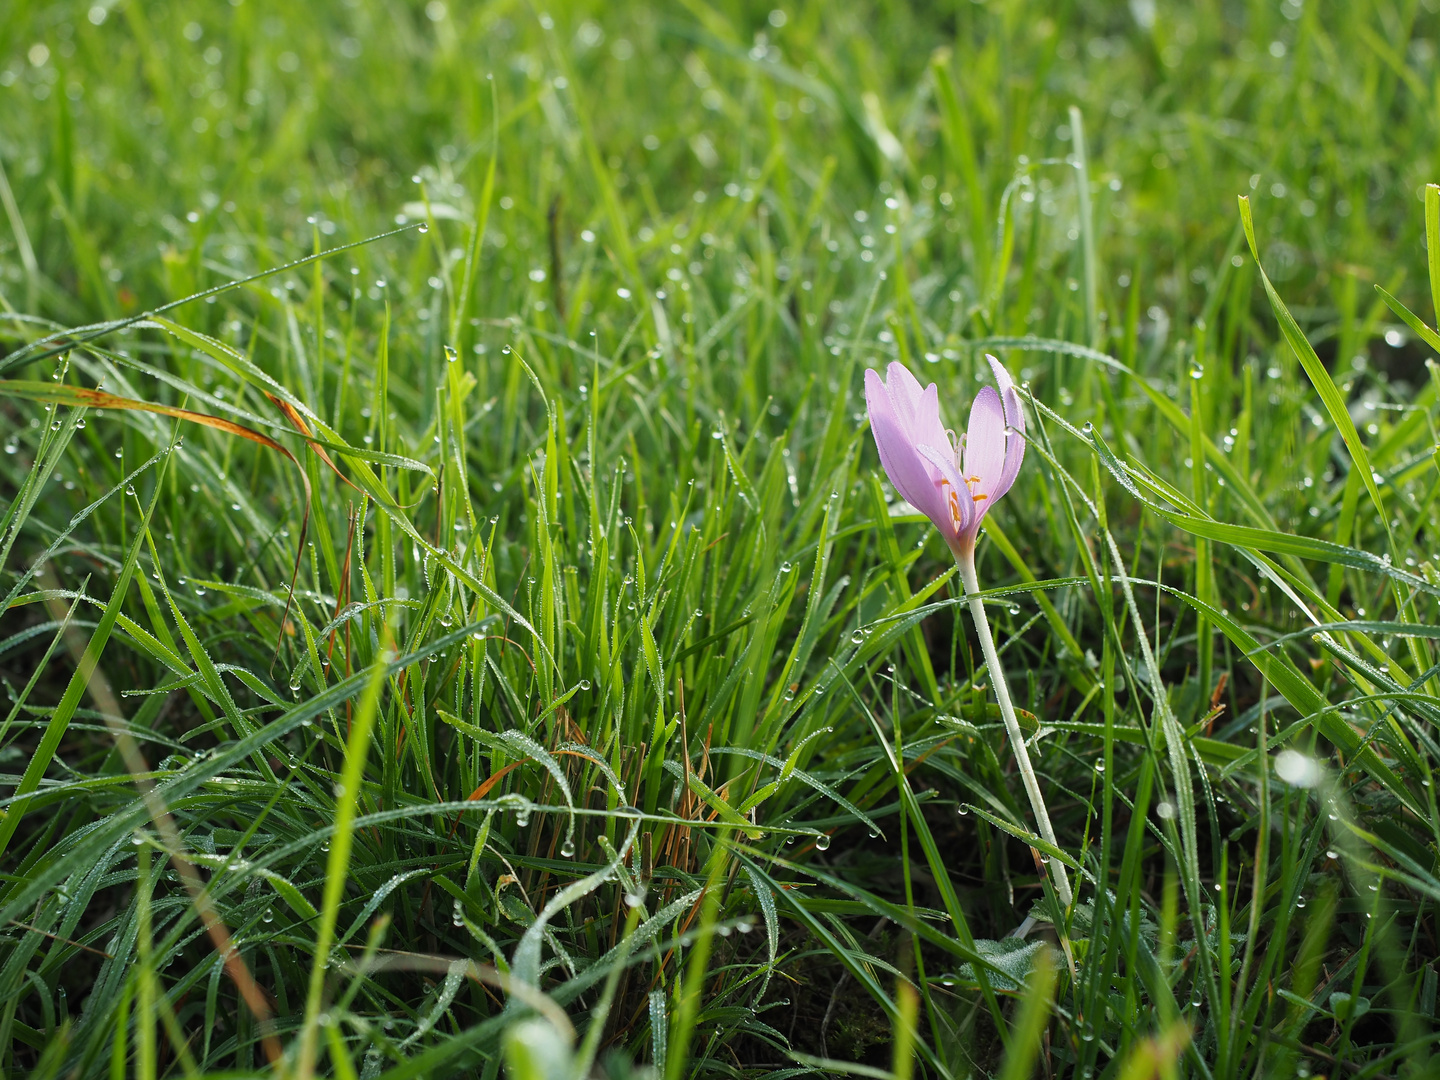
[(1015, 420), (914, 479), (944, 463), (985, 443), (918, 409)]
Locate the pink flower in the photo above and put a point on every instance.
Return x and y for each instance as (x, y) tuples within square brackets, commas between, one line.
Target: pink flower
[(953, 485)]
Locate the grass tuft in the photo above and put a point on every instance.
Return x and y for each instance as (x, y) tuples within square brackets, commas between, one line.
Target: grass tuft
[(455, 619)]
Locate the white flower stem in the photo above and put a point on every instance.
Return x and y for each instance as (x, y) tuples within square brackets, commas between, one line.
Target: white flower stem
[(965, 560)]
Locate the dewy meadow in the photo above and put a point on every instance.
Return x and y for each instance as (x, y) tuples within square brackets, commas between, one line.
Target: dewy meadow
[(468, 611)]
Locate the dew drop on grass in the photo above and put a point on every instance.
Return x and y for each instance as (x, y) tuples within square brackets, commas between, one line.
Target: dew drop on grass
[(963, 811), (424, 226), (785, 568), (857, 637), (567, 849), (269, 915), (584, 684), (129, 489), (822, 842), (522, 816)]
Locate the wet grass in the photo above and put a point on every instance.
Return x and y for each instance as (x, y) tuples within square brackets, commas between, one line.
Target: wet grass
[(493, 643)]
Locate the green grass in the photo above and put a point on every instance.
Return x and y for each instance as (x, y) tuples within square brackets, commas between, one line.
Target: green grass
[(618, 718)]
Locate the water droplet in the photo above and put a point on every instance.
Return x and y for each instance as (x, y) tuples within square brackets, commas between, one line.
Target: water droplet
[(785, 568), (424, 226), (584, 684), (1197, 371), (451, 355), (1087, 427), (857, 637), (822, 842), (269, 915), (635, 897), (129, 489), (567, 849), (963, 811), (522, 816), (505, 349)]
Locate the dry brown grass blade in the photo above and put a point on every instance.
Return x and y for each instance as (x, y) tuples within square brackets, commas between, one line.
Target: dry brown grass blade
[(293, 415), (171, 842), (80, 397)]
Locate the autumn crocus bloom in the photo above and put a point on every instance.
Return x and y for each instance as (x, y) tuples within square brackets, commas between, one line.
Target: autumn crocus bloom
[(955, 485)]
